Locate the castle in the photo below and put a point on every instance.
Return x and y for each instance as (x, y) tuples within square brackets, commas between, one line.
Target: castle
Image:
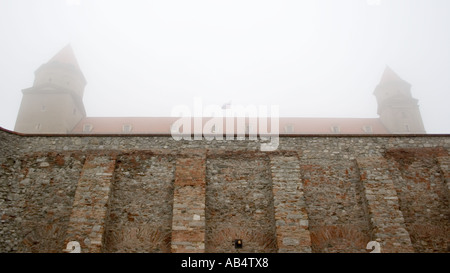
[(65, 177), (54, 104)]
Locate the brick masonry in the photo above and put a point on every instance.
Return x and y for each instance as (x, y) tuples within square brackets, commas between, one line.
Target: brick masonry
[(188, 220), (154, 194), (90, 205)]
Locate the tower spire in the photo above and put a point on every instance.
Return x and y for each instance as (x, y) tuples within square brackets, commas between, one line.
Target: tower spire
[(54, 104), (389, 76), (398, 110), (65, 56)]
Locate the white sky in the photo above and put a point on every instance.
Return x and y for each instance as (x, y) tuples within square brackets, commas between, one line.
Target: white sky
[(317, 58)]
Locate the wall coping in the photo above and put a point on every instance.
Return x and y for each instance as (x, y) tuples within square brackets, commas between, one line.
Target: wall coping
[(235, 135)]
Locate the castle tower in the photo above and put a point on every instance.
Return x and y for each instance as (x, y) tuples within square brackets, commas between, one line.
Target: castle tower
[(54, 104), (398, 110)]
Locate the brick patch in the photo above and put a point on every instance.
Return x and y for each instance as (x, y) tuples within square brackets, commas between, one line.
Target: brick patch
[(89, 210), (188, 220)]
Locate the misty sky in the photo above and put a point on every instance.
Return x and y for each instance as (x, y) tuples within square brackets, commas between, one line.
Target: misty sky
[(312, 58)]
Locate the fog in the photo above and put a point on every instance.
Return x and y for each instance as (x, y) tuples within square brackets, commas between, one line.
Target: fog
[(311, 58)]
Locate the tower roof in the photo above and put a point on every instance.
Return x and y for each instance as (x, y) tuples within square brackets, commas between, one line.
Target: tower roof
[(389, 76), (65, 56)]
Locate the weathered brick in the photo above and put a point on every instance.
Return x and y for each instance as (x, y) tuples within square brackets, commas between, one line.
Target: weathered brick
[(189, 200), (80, 227)]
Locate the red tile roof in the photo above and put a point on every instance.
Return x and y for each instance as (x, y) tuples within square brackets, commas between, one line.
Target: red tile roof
[(287, 125)]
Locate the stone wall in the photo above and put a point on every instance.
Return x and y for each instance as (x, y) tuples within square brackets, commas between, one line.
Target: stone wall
[(423, 196), (10, 193), (335, 206), (10, 146), (37, 194), (239, 203), (139, 193), (140, 211)]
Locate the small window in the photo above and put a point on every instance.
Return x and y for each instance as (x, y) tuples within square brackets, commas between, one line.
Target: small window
[(126, 128), (335, 129), (87, 128), (367, 129), (38, 126), (289, 128)]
